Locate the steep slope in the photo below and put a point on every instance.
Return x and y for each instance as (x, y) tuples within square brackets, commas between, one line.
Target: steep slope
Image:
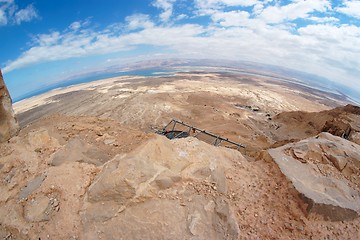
[(341, 121)]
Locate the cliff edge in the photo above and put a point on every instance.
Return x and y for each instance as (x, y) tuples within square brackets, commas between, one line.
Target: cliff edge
[(8, 123)]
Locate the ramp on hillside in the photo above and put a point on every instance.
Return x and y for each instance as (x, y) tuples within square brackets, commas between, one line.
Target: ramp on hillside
[(179, 129)]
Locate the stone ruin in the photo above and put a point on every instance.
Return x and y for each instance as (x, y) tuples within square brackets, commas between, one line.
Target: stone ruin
[(8, 123)]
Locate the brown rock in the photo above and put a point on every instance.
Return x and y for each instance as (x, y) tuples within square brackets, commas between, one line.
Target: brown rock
[(338, 161), (9, 126), (340, 121), (166, 179), (76, 150), (121, 179), (337, 127), (355, 137), (41, 139), (122, 197), (38, 209)]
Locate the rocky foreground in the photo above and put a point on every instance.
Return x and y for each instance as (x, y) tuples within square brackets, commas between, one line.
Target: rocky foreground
[(90, 178), (97, 173)]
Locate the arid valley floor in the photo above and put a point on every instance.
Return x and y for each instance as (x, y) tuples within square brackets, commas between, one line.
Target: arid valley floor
[(87, 163)]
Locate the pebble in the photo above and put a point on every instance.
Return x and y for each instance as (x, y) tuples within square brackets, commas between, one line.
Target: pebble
[(109, 141), (300, 228), (121, 209)]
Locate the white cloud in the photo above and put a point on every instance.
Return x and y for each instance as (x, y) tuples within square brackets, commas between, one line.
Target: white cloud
[(138, 21), (166, 6), (47, 39), (260, 5), (351, 8), (3, 18), (207, 7), (336, 48), (181, 17), (26, 15), (204, 4), (232, 18), (10, 14), (69, 44), (324, 19), (75, 26), (295, 10), (5, 7)]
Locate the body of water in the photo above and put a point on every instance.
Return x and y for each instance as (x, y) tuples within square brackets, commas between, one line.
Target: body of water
[(142, 72)]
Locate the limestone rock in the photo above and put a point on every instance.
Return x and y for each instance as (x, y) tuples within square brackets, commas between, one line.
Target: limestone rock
[(41, 139), (41, 208), (355, 137), (166, 179), (8, 123), (149, 193), (76, 150), (38, 209), (326, 175), (166, 219), (121, 183)]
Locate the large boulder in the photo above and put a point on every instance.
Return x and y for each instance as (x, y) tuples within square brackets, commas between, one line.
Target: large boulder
[(325, 171), (163, 190), (8, 124)]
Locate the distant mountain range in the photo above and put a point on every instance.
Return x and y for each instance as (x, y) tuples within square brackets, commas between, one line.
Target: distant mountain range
[(258, 68), (139, 67)]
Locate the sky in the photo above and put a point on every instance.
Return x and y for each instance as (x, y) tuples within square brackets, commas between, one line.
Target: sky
[(42, 41)]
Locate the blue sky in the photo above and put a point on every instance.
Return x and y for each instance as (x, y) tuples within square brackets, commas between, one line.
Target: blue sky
[(43, 42)]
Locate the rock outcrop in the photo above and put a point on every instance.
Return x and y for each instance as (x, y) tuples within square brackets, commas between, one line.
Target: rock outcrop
[(78, 151), (164, 189), (8, 124), (340, 121), (325, 171)]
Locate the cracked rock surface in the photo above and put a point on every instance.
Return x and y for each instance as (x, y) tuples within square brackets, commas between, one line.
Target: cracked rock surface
[(325, 171)]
